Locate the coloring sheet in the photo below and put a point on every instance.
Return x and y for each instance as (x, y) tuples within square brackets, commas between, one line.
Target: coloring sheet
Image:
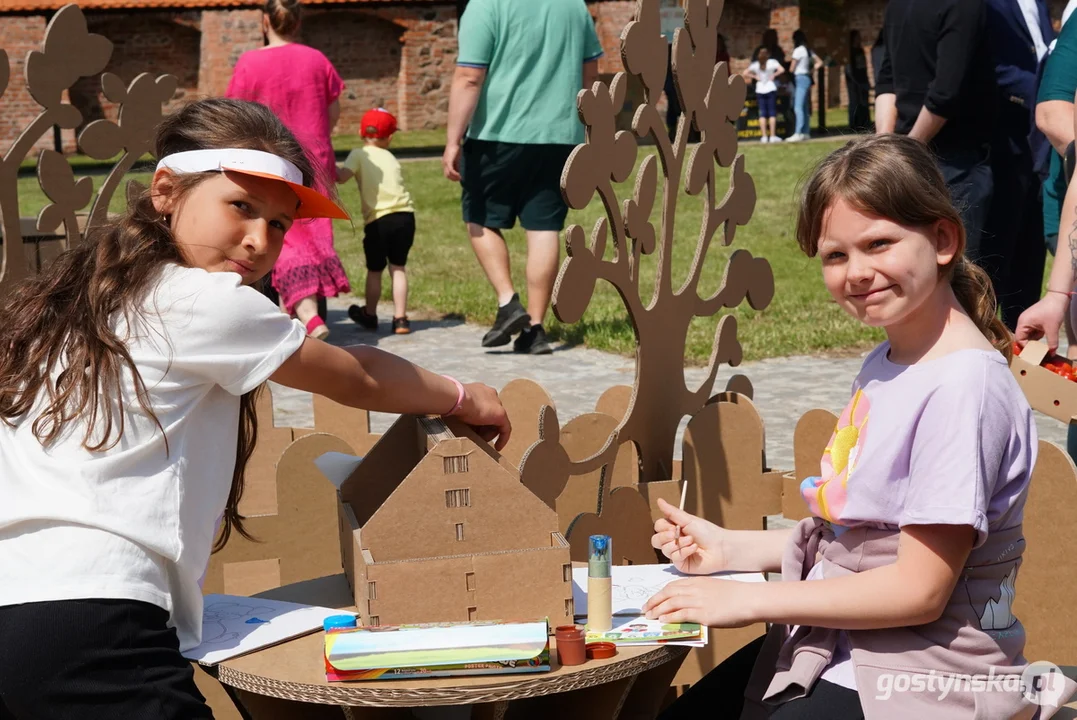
[(233, 625), (634, 584)]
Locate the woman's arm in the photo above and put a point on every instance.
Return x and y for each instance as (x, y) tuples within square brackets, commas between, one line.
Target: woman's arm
[(363, 376), (334, 114), (1044, 319), (1054, 118)]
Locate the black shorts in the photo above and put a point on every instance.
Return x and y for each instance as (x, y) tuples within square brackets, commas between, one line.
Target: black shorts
[(94, 659), (389, 239), (502, 181)]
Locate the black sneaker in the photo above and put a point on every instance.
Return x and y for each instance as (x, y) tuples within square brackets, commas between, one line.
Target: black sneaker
[(533, 342), (511, 319), (401, 326), (362, 318)]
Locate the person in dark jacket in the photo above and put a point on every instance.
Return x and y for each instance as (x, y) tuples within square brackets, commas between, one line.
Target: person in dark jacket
[(857, 84)]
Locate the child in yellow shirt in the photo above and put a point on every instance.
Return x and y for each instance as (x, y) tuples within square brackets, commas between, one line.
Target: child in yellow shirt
[(388, 215)]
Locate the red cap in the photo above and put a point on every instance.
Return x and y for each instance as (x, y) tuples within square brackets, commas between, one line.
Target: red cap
[(377, 123)]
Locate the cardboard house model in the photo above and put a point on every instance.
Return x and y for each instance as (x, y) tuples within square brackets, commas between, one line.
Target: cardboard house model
[(436, 526)]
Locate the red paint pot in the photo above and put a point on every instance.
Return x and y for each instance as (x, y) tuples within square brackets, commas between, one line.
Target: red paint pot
[(571, 645)]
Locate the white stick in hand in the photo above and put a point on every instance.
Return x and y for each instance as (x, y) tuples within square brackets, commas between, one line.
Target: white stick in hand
[(684, 494)]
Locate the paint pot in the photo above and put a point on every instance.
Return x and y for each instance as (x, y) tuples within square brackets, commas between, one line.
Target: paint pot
[(338, 621), (601, 650), (571, 645)]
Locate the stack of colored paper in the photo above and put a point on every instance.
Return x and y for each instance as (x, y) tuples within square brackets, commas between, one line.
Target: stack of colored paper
[(436, 650)]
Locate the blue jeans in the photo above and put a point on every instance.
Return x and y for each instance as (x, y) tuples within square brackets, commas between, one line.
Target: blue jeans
[(802, 103)]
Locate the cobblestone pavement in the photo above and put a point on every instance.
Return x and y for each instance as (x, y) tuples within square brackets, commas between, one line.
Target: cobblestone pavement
[(785, 388)]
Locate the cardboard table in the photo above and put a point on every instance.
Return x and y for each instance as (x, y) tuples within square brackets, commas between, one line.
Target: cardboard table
[(630, 685)]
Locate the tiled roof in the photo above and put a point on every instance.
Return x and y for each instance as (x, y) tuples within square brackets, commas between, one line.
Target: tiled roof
[(47, 5)]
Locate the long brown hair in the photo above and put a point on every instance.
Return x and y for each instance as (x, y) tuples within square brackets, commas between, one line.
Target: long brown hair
[(895, 177), (63, 318)]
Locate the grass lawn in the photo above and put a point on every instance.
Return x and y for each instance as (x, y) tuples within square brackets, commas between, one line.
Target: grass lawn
[(445, 277)]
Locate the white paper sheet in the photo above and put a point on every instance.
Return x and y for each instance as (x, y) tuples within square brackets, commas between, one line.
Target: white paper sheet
[(338, 467), (233, 625), (634, 584)]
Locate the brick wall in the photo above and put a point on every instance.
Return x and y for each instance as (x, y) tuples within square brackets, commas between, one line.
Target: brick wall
[(427, 60), (742, 26), (400, 57), (154, 42), (366, 51), (226, 34), (20, 35), (610, 20)]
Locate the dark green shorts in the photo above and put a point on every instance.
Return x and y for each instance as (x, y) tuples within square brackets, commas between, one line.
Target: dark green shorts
[(502, 181)]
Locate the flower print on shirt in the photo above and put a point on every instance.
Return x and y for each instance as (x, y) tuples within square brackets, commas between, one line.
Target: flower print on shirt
[(826, 495)]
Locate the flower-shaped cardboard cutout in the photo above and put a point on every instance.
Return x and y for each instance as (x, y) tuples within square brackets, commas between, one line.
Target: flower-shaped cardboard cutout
[(694, 49), (637, 211), (140, 112), (581, 274), (643, 49), (68, 196), (608, 154), (70, 52)]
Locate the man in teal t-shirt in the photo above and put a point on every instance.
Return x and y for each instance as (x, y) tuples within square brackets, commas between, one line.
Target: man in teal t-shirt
[(519, 69)]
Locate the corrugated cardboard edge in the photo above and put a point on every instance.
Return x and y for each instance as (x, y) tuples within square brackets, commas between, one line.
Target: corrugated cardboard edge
[(1047, 581)]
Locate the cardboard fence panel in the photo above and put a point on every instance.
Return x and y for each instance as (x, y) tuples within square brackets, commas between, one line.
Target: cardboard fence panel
[(812, 435), (1047, 581), (723, 450), (297, 542), (352, 425), (523, 400)]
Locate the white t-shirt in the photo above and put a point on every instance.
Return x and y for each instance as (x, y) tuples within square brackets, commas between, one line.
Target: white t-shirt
[(801, 60), (765, 82), (1031, 12), (130, 522)]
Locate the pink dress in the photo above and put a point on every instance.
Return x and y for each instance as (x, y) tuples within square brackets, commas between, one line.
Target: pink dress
[(298, 84)]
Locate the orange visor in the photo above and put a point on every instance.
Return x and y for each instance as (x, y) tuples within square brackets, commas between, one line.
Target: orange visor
[(312, 204)]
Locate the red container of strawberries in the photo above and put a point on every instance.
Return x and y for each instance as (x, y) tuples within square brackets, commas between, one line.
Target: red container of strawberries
[(1048, 380)]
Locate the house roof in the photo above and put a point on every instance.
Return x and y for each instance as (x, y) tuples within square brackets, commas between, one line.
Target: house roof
[(49, 5)]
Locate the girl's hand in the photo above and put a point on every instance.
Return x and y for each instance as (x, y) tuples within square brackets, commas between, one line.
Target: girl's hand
[(708, 601), (482, 409), (694, 545), (1043, 320)]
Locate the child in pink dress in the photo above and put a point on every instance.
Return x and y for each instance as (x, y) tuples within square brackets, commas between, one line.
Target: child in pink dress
[(302, 88)]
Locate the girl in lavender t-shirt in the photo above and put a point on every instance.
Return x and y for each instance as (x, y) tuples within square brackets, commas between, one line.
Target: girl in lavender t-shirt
[(915, 541)]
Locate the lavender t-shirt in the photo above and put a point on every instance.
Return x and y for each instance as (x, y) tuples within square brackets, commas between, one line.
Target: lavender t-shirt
[(950, 441)]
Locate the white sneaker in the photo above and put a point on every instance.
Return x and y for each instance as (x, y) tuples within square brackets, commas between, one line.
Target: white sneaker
[(775, 138), (764, 139)]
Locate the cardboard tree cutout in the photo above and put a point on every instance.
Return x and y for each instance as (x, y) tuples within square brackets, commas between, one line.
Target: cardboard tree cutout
[(712, 101), (70, 52)]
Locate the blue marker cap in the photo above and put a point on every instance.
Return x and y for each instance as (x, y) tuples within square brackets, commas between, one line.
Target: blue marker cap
[(338, 621)]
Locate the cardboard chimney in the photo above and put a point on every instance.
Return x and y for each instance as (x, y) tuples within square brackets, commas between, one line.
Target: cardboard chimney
[(436, 526)]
